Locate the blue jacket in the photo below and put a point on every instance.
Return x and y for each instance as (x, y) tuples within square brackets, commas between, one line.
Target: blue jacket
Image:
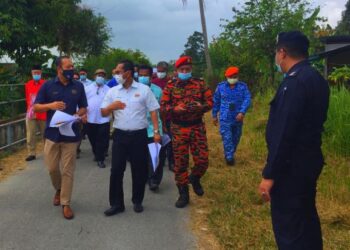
[(229, 102)]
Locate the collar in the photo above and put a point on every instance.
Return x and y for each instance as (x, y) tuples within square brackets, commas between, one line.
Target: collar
[(293, 71), (57, 81), (134, 85)]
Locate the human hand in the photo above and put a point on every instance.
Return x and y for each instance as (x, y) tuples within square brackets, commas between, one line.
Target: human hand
[(265, 189), (215, 121), (59, 105), (157, 138), (117, 105), (240, 117)]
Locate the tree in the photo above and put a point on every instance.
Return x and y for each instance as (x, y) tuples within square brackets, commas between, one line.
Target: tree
[(343, 27), (255, 27), (195, 48), (29, 28), (111, 57), (205, 37)]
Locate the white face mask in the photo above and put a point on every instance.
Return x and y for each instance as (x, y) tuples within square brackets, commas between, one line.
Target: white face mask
[(119, 79), (161, 75), (232, 80)]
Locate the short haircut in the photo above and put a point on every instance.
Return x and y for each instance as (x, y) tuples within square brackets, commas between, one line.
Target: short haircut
[(295, 43), (36, 67), (59, 60), (146, 67), (128, 66), (82, 69), (163, 64)]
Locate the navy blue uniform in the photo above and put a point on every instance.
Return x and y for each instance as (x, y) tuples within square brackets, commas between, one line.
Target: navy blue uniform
[(229, 102), (295, 161)]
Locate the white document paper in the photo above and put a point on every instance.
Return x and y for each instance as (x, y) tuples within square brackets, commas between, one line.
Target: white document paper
[(165, 140), (63, 122), (154, 149)]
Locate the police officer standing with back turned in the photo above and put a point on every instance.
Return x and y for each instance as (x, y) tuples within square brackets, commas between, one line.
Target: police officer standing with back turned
[(293, 134)]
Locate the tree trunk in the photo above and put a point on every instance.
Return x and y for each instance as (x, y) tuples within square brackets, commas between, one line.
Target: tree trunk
[(206, 43)]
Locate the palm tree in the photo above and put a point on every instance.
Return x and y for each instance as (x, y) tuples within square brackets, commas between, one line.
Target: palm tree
[(205, 35)]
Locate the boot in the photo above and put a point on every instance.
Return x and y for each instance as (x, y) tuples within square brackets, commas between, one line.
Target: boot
[(196, 184), (184, 197)]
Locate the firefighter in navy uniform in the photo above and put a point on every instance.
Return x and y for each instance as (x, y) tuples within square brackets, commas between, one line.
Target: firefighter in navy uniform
[(293, 134)]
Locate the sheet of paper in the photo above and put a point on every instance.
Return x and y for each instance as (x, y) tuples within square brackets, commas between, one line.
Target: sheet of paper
[(67, 129), (154, 149), (60, 118), (165, 140)]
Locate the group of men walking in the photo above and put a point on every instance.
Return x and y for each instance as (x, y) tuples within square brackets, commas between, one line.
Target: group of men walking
[(144, 109)]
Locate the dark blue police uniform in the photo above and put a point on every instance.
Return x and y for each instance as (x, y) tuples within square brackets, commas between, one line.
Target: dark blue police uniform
[(72, 94), (293, 134)]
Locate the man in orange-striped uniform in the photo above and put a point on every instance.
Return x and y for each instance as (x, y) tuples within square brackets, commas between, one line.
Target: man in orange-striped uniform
[(187, 99)]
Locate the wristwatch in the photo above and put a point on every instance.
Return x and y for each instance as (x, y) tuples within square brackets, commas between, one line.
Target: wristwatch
[(156, 131)]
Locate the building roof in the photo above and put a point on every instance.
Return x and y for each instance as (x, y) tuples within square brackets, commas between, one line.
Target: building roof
[(335, 39), (329, 53)]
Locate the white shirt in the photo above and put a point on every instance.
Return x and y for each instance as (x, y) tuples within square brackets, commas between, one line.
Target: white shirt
[(95, 96), (139, 100), (86, 82)]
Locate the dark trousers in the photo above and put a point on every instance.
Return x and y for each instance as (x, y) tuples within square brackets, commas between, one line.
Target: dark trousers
[(132, 145), (98, 135), (295, 221), (156, 176)]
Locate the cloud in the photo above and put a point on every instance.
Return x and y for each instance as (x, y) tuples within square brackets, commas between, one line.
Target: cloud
[(160, 28)]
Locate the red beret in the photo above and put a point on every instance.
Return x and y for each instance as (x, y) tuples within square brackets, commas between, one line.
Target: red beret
[(184, 60), (231, 71)]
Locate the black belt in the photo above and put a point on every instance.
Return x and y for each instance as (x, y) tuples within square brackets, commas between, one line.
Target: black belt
[(188, 123), (130, 132)]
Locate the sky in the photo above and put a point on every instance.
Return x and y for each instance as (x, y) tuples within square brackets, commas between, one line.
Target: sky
[(160, 28)]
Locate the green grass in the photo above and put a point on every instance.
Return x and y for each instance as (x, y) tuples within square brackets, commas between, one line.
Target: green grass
[(234, 211)]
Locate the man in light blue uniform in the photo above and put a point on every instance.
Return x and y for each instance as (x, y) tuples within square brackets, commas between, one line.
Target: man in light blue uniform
[(231, 100), (155, 177)]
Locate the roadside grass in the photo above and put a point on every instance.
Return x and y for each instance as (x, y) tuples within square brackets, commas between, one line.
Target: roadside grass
[(232, 213)]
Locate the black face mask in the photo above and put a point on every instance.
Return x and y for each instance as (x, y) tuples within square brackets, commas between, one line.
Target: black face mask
[(68, 74)]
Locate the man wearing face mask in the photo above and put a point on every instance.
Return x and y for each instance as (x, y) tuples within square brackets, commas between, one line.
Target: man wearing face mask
[(294, 139), (33, 120), (155, 177), (187, 99), (97, 127), (83, 77), (65, 94), (231, 100), (129, 102), (113, 82)]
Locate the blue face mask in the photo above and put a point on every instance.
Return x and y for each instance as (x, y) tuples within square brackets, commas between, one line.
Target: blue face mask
[(278, 68), (36, 77), (100, 80), (136, 74), (144, 80), (82, 77), (185, 76)]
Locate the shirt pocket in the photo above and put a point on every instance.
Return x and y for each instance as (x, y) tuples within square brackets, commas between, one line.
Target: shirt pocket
[(136, 103)]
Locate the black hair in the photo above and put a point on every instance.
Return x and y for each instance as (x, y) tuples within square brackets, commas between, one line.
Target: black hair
[(295, 43), (36, 67), (146, 67), (82, 69), (163, 64), (128, 66), (59, 60)]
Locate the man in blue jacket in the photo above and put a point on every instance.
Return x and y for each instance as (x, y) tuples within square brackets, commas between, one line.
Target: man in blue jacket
[(231, 100)]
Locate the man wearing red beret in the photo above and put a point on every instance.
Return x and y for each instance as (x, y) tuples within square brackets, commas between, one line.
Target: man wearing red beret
[(231, 100), (187, 99)]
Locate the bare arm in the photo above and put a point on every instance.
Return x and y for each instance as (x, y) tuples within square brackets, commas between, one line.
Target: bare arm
[(111, 107)]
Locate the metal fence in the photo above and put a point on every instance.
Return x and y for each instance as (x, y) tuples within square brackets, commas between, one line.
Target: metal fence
[(12, 130)]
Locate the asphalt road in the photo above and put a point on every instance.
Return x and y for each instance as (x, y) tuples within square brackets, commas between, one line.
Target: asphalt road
[(28, 220)]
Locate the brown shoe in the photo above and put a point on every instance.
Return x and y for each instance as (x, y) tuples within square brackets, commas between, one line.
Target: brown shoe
[(57, 198), (67, 212)]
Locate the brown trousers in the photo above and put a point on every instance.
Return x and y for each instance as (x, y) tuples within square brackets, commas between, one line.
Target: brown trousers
[(60, 159), (31, 126)]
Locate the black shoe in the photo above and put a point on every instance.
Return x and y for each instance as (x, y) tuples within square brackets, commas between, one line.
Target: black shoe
[(31, 158), (184, 197), (138, 208), (153, 186), (196, 184), (171, 166), (230, 162), (114, 210), (101, 164)]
